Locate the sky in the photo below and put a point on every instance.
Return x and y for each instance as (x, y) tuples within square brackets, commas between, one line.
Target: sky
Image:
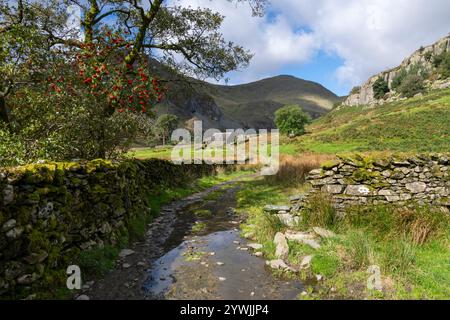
[(337, 43)]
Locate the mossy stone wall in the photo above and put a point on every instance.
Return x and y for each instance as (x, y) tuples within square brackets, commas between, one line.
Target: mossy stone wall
[(50, 212), (420, 179)]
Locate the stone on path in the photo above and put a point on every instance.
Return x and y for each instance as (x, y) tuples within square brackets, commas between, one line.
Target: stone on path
[(279, 264), (220, 263), (249, 235), (303, 237), (288, 219), (83, 297), (255, 246), (258, 254), (298, 236), (312, 243), (222, 278), (282, 248), (125, 253), (306, 262), (324, 233)]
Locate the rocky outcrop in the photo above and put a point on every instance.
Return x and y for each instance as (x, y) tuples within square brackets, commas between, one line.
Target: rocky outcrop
[(422, 57), (51, 212), (419, 179)]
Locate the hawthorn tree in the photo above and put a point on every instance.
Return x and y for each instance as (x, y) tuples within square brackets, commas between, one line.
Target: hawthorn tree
[(104, 70)]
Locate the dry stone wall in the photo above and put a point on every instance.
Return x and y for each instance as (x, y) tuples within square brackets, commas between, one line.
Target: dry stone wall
[(51, 212), (420, 179)]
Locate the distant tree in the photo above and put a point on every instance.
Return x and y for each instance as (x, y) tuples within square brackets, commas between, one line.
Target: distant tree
[(165, 124), (380, 88), (291, 120)]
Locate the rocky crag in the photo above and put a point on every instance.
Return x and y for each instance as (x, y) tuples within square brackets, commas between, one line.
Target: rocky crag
[(422, 58)]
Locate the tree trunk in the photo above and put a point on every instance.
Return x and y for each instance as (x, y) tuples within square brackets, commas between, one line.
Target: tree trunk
[(4, 110)]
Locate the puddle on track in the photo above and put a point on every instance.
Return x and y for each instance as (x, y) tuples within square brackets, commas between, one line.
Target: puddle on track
[(189, 269)]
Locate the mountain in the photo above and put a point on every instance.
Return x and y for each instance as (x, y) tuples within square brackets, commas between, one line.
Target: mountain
[(423, 61), (249, 105)]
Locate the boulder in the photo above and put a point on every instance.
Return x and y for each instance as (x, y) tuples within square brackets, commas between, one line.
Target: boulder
[(282, 248)]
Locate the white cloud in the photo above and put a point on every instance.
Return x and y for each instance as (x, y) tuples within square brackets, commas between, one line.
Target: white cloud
[(274, 43), (368, 35)]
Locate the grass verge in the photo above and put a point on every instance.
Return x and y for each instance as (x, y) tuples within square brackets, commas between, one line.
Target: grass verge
[(411, 246)]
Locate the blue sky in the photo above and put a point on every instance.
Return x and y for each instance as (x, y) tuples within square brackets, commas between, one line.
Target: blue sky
[(338, 43)]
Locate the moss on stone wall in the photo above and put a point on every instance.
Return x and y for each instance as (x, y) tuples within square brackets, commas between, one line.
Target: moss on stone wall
[(358, 179), (51, 212)]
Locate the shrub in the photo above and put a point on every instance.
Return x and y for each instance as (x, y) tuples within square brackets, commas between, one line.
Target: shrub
[(291, 120), (411, 85), (380, 88)]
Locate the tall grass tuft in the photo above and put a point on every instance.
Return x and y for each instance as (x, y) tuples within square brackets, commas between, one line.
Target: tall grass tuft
[(360, 248), (293, 170), (418, 224), (421, 224), (320, 213), (398, 256)]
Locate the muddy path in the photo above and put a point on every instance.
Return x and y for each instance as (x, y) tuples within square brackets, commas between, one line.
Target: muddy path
[(193, 250)]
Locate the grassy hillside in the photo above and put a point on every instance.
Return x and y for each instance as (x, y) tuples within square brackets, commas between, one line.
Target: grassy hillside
[(417, 124), (254, 104)]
